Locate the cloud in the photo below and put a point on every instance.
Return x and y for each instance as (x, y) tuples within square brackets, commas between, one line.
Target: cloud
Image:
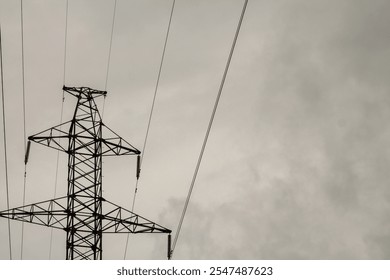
[(305, 176)]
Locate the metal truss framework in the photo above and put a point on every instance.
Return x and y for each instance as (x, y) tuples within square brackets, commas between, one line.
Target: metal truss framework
[(84, 214)]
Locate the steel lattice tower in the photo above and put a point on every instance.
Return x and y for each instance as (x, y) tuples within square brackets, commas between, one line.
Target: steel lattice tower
[(84, 214)]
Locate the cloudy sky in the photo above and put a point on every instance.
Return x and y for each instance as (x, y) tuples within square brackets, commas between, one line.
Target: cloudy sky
[(296, 166)]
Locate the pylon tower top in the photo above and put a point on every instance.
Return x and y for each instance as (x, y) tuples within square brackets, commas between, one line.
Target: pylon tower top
[(84, 92)]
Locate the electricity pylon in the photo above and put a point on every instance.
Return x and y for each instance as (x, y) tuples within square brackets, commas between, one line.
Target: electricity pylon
[(83, 213)]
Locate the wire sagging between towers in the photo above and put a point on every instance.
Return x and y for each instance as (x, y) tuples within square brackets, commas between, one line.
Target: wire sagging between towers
[(109, 55), (5, 143), (208, 128), (24, 122), (150, 116), (61, 116)]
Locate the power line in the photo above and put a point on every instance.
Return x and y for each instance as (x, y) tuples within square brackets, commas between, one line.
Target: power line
[(157, 82), (208, 129), (151, 114), (24, 122), (109, 50), (66, 37), (109, 55), (62, 112), (24, 96), (5, 143)]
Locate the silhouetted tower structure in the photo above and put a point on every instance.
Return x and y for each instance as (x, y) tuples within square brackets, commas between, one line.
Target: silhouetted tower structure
[(84, 214)]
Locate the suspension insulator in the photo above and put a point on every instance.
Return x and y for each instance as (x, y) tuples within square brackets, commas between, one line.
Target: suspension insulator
[(27, 152), (169, 247), (138, 166)]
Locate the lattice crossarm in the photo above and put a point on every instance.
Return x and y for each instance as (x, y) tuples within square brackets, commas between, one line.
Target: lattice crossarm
[(50, 213), (114, 145), (120, 220), (53, 136)]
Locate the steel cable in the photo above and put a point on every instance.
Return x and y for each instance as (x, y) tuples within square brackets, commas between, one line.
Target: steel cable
[(61, 116), (24, 122), (5, 144), (109, 56), (151, 114), (208, 129)]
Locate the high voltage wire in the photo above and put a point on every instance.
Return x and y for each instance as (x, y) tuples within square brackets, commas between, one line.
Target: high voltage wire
[(66, 37), (157, 82), (151, 114), (5, 144), (109, 50), (62, 112), (109, 55), (23, 83), (24, 122), (208, 128)]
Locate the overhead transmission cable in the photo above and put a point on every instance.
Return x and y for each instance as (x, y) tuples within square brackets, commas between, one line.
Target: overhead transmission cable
[(208, 129), (154, 99), (62, 112), (24, 124), (5, 144), (109, 55), (151, 115), (65, 44), (23, 80)]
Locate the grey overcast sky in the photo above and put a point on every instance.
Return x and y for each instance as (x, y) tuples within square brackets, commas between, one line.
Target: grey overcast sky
[(297, 163)]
